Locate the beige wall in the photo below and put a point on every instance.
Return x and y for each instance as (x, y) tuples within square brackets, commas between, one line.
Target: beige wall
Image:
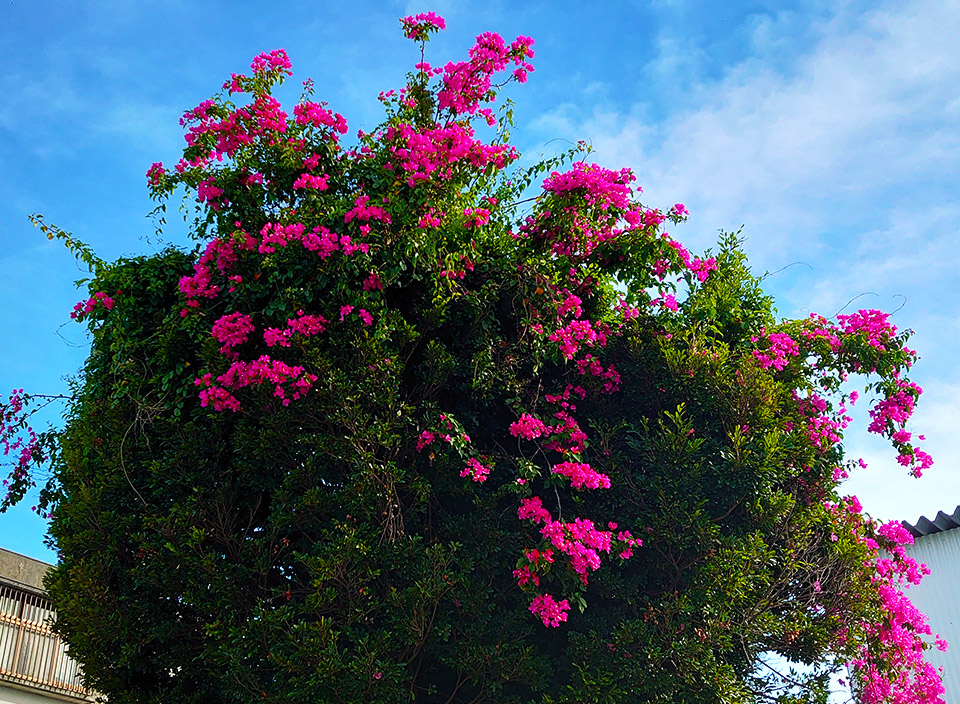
[(22, 571)]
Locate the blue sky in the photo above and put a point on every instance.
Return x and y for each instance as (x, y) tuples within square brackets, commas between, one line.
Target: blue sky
[(829, 130)]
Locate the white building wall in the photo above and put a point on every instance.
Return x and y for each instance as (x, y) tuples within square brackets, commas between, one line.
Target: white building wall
[(15, 695), (938, 596), (34, 666)]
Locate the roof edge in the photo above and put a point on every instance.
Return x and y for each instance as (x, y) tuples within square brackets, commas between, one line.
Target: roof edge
[(943, 522)]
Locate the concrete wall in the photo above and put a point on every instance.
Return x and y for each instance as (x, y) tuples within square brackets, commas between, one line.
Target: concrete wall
[(15, 695), (22, 571)]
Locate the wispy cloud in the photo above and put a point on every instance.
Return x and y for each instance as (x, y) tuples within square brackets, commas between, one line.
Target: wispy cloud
[(857, 113)]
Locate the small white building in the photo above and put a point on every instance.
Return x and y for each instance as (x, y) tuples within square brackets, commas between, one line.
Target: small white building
[(937, 545), (34, 665)]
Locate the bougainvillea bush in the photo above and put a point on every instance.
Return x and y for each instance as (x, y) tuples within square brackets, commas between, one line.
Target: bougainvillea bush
[(413, 423)]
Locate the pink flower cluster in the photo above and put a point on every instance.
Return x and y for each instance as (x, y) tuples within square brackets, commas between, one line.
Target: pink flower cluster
[(700, 268), (228, 135), (590, 200), (476, 470), (208, 192), (570, 234), (317, 115), (273, 235), (364, 315), (219, 251), (457, 269), (888, 417), (890, 414), (550, 611), (780, 346), (232, 330), (524, 575), (916, 460), (592, 366), (319, 240), (426, 438), (894, 410), (567, 438), (430, 220), (200, 285), (475, 217), (581, 542), (528, 427), (905, 678), (872, 323), (373, 282), (419, 27), (898, 564), (582, 475), (155, 174), (570, 305), (819, 328), (362, 211), (563, 399), (425, 154), (579, 539), (289, 382), (18, 439), (666, 300), (262, 118), (578, 333), (84, 308), (304, 325), (317, 183), (451, 433), (599, 187), (626, 311), (823, 428), (466, 84), (267, 117), (644, 218), (274, 61), (199, 162)]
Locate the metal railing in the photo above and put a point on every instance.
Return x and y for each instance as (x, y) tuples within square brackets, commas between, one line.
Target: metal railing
[(31, 655)]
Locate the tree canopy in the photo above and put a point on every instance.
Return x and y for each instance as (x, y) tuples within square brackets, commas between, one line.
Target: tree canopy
[(412, 424)]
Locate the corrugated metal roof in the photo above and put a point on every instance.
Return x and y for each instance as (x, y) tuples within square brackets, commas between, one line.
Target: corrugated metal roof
[(924, 526)]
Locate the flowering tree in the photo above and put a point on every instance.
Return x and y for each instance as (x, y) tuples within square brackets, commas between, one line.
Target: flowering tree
[(397, 431)]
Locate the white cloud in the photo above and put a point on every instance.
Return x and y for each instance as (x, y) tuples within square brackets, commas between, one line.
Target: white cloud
[(886, 489), (858, 112)]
